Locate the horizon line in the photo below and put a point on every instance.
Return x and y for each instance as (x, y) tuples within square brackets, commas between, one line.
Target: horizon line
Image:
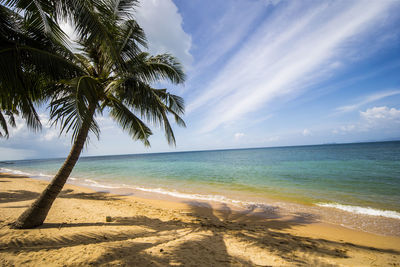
[(206, 150)]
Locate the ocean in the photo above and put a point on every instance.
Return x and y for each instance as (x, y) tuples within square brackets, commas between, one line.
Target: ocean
[(362, 178)]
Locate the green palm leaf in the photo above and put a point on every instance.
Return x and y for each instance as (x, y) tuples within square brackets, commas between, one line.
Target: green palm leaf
[(136, 128)]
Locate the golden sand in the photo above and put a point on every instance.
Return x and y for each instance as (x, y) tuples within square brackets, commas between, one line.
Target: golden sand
[(146, 232)]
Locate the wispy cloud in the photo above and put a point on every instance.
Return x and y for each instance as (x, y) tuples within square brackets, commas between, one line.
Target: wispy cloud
[(294, 47), (366, 100), (222, 37)]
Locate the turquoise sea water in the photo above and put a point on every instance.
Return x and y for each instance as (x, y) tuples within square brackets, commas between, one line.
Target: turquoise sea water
[(362, 176)]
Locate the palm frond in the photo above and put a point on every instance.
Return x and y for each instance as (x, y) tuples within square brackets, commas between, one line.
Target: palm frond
[(136, 128), (70, 109), (123, 9), (155, 68), (39, 16), (29, 56), (92, 24), (131, 37), (174, 102), (153, 105)]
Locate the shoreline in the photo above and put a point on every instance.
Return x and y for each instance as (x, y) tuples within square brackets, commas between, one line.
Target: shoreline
[(168, 233), (326, 213)]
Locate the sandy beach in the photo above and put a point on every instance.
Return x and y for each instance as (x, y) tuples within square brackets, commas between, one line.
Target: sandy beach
[(145, 232)]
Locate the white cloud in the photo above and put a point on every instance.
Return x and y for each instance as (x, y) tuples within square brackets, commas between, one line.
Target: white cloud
[(19, 127), (366, 100), (376, 115), (162, 23), (284, 55), (372, 119), (238, 136), (50, 134), (307, 132)]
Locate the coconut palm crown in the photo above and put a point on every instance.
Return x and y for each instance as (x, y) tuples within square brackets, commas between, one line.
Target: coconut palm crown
[(115, 81)]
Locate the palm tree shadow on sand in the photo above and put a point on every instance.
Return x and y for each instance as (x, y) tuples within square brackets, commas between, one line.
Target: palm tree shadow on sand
[(204, 237), (205, 241)]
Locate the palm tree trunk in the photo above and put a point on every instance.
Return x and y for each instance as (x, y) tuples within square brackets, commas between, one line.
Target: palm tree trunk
[(37, 212)]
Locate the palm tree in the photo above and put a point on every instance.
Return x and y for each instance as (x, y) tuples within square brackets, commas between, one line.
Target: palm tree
[(29, 55), (114, 80)]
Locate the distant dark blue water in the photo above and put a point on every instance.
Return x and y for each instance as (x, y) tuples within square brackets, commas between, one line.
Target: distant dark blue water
[(361, 177)]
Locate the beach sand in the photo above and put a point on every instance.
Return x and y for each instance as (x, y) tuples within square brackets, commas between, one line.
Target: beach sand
[(145, 232)]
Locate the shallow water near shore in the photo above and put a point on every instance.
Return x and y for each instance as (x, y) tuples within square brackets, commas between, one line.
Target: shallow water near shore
[(362, 178)]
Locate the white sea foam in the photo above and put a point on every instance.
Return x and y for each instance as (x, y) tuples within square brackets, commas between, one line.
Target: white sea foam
[(215, 198), (39, 175), (15, 172), (362, 210), (90, 182), (45, 175), (177, 194), (32, 175)]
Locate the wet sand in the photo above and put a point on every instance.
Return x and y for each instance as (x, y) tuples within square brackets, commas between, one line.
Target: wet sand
[(148, 232)]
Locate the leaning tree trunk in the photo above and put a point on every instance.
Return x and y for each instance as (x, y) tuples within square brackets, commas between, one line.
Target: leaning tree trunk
[(37, 212)]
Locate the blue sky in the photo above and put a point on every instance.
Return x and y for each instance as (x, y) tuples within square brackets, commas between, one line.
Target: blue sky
[(261, 73)]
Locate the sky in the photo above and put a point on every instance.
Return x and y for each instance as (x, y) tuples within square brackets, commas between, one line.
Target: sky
[(260, 73)]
